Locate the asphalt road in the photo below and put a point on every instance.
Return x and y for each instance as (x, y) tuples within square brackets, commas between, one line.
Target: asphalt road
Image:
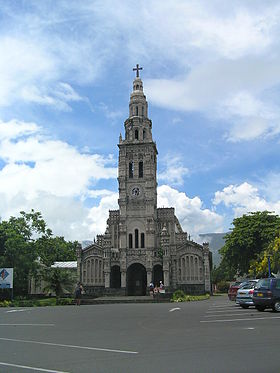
[(207, 336)]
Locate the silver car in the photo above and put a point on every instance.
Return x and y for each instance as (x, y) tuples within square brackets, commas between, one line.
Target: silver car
[(244, 296)]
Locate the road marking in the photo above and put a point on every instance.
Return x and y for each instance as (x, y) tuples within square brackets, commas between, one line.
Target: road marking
[(175, 309), (249, 328), (16, 311), (32, 368), (228, 314), (231, 320), (224, 311), (27, 324), (70, 346)]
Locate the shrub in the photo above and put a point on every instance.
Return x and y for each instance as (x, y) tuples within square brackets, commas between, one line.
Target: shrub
[(5, 303), (180, 296), (47, 302), (64, 301), (222, 286)]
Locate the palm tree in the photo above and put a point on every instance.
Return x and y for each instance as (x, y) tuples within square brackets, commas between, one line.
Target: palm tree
[(59, 281)]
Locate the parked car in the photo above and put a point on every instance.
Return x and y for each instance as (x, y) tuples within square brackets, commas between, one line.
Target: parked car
[(244, 296), (267, 294), (232, 291)]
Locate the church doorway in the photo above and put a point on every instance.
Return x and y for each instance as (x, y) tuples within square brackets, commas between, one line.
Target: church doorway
[(157, 274), (115, 277), (136, 279)]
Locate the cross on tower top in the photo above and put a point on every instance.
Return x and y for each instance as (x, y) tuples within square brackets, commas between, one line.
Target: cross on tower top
[(137, 68)]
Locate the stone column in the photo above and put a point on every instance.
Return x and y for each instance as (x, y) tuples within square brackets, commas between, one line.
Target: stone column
[(107, 279), (107, 267), (123, 279), (166, 278), (149, 277)]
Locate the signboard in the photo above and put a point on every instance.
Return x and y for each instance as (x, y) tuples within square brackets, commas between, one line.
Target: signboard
[(6, 278)]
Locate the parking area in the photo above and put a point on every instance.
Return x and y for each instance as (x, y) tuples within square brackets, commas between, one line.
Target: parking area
[(206, 336)]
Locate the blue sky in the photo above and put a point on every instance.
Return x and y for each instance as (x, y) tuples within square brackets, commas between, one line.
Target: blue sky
[(211, 74)]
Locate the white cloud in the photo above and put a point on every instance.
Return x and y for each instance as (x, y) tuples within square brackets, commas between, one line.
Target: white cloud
[(193, 217), (56, 167), (251, 117), (50, 176), (191, 27), (65, 216), (99, 214), (235, 91), (39, 69), (175, 170), (57, 97), (23, 63), (244, 198), (14, 129), (234, 34)]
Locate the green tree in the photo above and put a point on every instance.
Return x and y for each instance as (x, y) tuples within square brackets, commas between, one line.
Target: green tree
[(17, 248), (251, 235), (25, 238), (259, 266), (54, 249), (59, 280)]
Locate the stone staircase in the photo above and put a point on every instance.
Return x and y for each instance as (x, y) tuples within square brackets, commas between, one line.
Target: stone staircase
[(127, 299)]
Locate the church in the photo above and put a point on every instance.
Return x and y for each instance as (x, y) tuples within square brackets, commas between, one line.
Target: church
[(142, 243)]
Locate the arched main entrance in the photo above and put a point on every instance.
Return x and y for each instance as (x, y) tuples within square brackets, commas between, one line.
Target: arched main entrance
[(115, 277), (136, 279), (157, 274)]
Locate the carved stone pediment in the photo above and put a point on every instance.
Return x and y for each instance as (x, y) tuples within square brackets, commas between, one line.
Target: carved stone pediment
[(92, 250), (189, 249)]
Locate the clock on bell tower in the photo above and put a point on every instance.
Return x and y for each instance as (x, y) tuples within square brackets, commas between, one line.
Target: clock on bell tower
[(137, 174)]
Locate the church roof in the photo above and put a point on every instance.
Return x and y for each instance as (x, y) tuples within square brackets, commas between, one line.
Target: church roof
[(65, 264)]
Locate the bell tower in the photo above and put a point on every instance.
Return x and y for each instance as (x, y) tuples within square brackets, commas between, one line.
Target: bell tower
[(137, 174)]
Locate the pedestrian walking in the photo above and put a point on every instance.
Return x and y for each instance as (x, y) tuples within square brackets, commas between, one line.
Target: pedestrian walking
[(78, 293)]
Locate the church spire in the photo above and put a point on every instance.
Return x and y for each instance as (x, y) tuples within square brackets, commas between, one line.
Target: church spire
[(138, 106), (138, 127)]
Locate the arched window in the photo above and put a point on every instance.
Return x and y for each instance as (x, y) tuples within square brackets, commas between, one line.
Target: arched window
[(136, 134), (136, 110), (136, 239), (142, 111), (131, 170), (142, 240), (130, 240), (141, 169), (144, 134)]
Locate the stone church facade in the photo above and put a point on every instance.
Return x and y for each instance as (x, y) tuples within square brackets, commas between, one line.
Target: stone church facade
[(142, 242)]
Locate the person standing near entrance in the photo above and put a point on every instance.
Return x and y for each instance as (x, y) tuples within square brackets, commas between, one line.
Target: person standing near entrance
[(161, 287), (156, 293), (151, 289)]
